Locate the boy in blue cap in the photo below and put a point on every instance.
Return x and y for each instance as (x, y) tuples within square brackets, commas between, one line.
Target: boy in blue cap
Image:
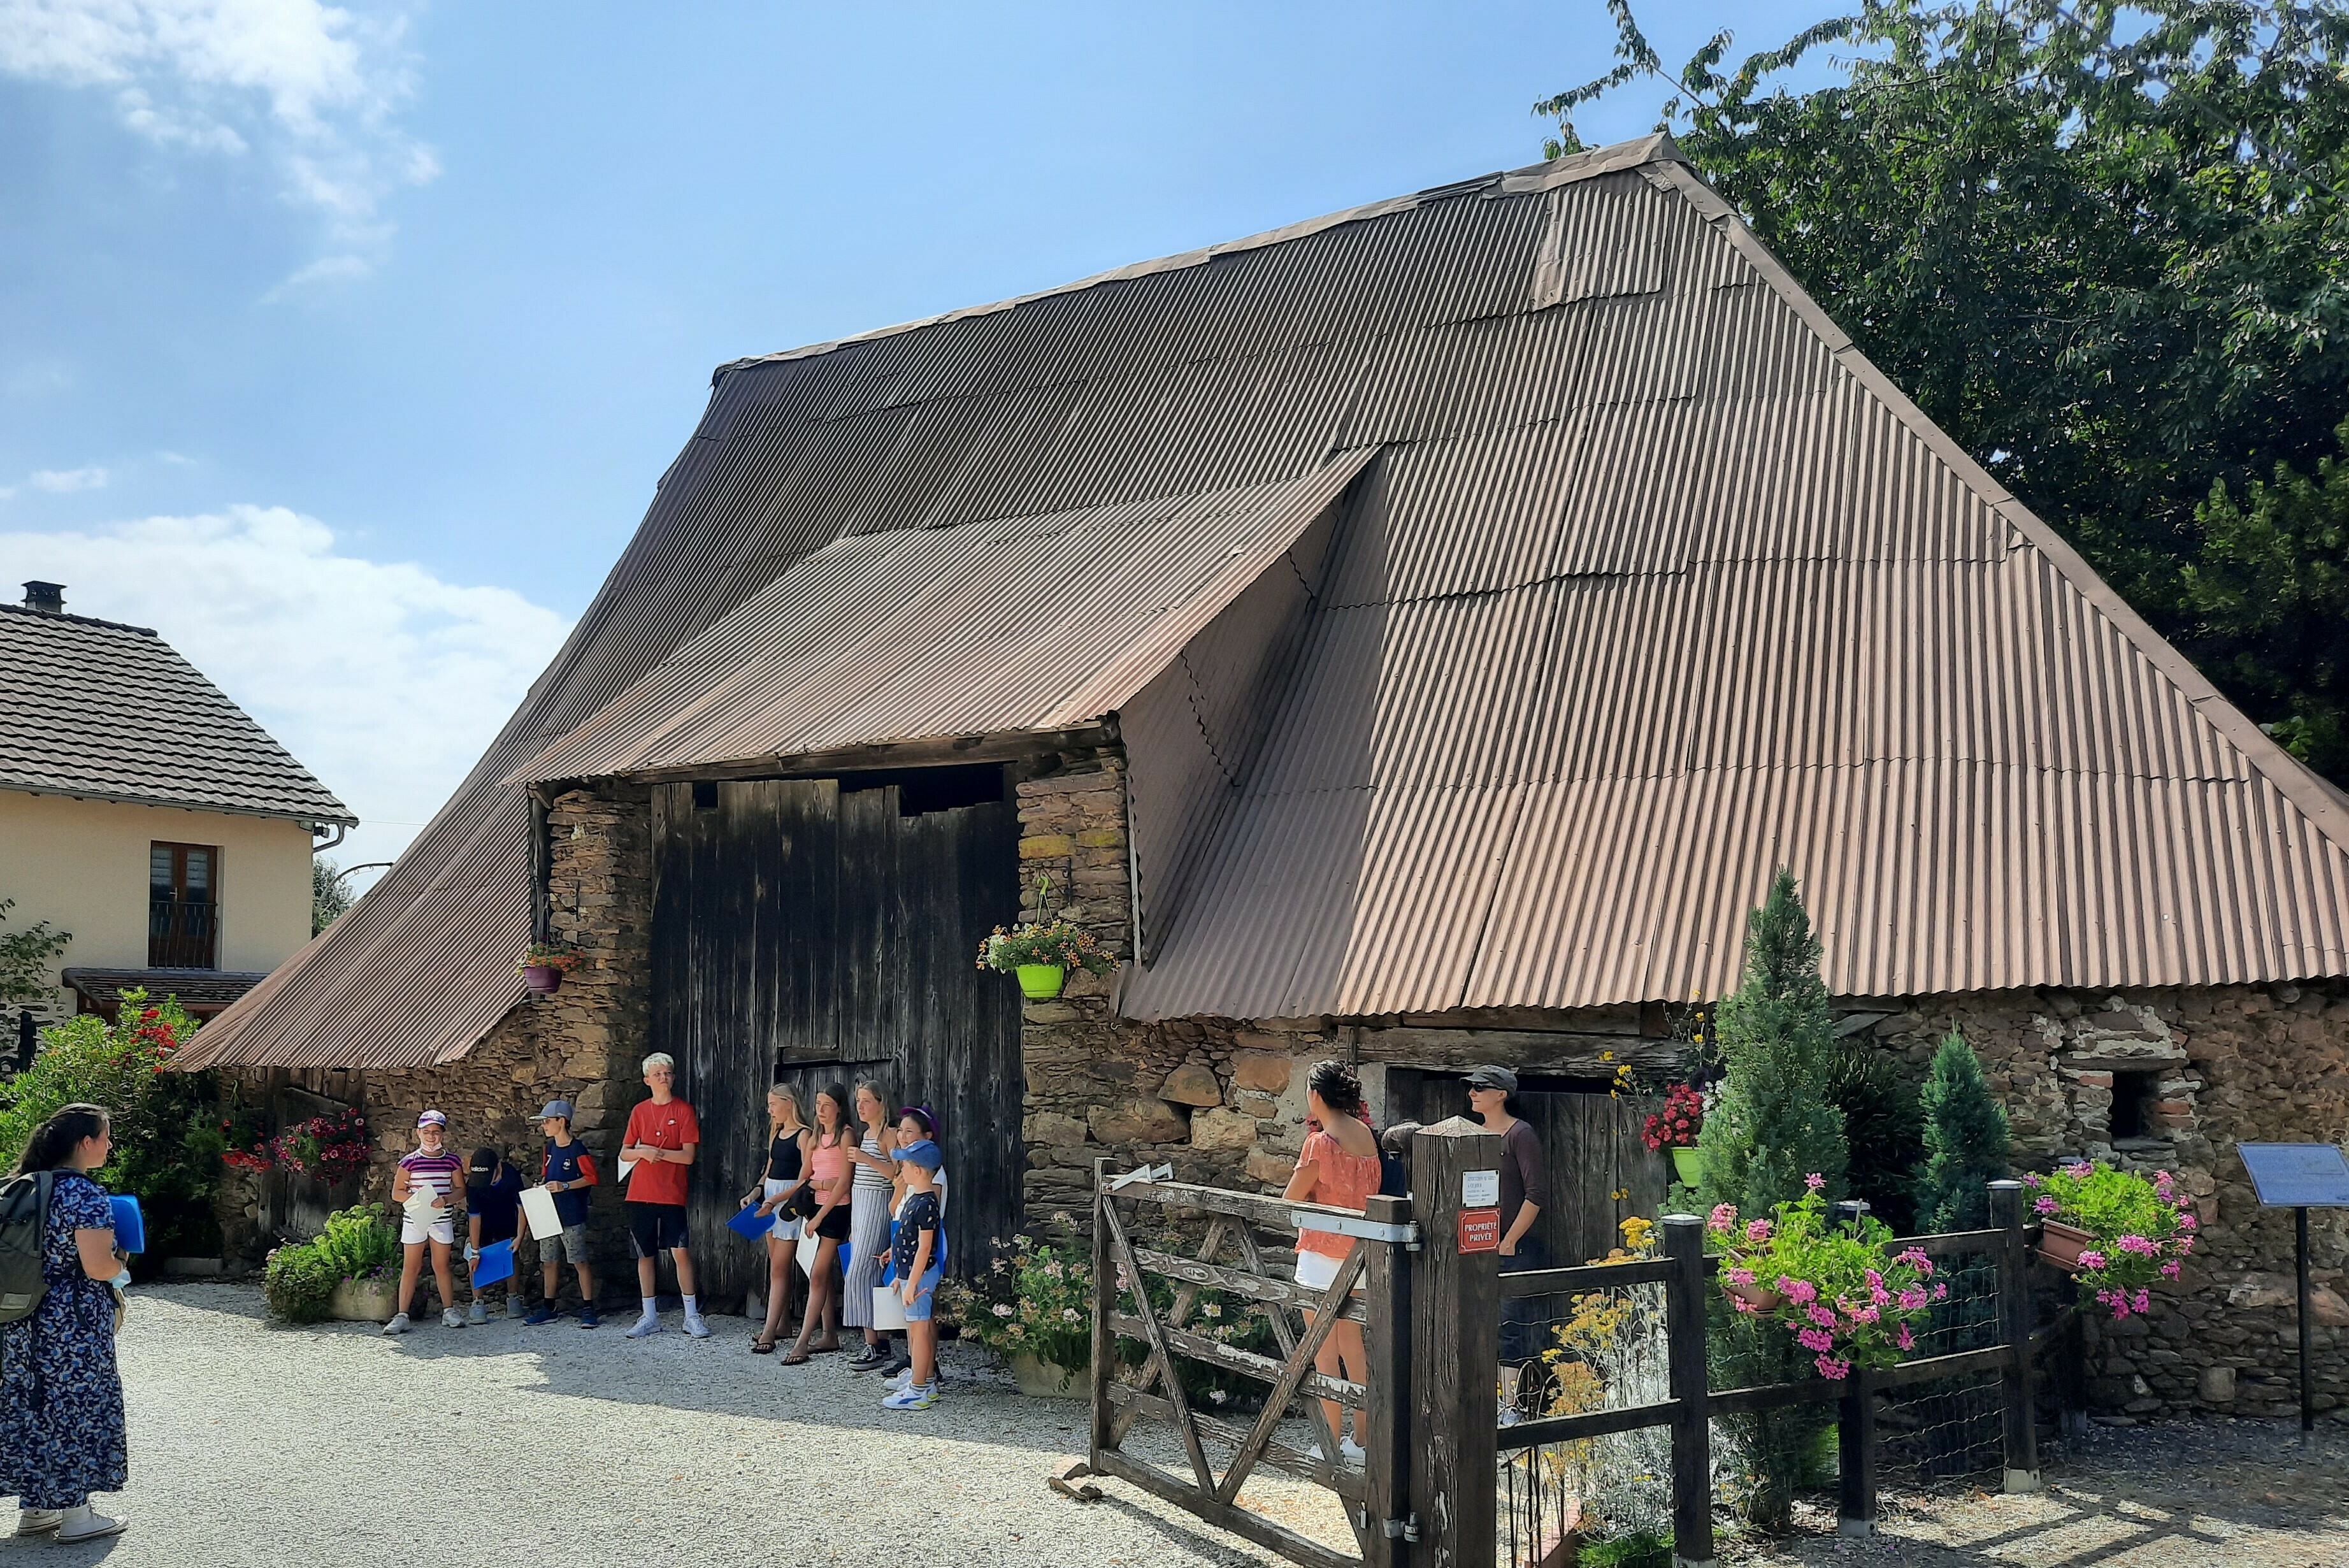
[(917, 1257), (568, 1172)]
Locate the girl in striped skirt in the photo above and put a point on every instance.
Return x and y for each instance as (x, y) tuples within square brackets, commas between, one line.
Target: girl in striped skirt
[(868, 1224)]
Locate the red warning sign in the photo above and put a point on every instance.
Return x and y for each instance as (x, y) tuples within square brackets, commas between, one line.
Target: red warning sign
[(1479, 1230)]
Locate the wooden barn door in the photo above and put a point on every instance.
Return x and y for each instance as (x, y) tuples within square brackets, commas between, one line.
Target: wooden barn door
[(1590, 1142), (820, 936)]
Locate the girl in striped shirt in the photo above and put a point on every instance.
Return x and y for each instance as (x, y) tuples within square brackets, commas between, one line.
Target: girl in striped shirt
[(428, 1171)]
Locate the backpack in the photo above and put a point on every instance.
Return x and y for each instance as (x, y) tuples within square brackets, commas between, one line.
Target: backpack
[(24, 1216)]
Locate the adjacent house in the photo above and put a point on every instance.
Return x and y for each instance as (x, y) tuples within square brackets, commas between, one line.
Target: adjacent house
[(147, 816), (1414, 635)]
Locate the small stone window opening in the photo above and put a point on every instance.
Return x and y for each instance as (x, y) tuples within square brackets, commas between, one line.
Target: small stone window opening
[(705, 795), (2132, 1094)]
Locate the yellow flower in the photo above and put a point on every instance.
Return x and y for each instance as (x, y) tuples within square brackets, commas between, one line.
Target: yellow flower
[(1607, 1055)]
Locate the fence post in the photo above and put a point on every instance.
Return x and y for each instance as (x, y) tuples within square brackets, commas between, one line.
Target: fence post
[(1685, 1307), (1104, 1368), (1455, 1313), (1855, 1455), (1386, 1293), (2022, 1418)]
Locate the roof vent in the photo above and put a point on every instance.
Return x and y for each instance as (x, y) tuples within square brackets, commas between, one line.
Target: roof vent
[(47, 598)]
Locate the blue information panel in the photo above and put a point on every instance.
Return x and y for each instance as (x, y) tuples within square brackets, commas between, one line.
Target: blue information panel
[(2297, 1175)]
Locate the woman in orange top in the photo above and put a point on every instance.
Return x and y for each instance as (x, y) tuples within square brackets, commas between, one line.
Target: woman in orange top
[(1338, 1167)]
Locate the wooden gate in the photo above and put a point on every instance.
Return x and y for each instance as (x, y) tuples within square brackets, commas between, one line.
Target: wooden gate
[(818, 935), (1372, 1289)]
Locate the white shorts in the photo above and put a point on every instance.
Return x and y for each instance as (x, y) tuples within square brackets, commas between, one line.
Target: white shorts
[(787, 1226), (444, 1230), (1317, 1271)]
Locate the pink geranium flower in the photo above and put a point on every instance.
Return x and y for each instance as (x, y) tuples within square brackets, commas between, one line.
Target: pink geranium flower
[(1908, 1341), (1802, 1293), (1724, 1215), (1832, 1369), (1817, 1339), (1739, 1276), (1757, 1231), (2043, 1204), (2092, 1259), (1815, 1181), (1822, 1315)]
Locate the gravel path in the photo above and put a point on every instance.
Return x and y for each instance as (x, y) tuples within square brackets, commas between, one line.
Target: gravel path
[(548, 1446)]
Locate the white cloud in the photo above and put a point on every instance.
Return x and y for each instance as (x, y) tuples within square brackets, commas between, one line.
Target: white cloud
[(65, 481), (385, 680), (314, 87)]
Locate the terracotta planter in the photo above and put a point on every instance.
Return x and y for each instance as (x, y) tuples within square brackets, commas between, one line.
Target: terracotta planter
[(1041, 981), (1687, 1164), (2062, 1244), (543, 979), (1039, 1380), (1760, 1297), (363, 1301)]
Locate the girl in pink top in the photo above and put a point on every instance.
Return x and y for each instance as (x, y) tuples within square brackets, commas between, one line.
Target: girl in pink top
[(1338, 1167), (828, 1170)]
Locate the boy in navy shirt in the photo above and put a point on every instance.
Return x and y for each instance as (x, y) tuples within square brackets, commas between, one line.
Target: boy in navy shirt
[(568, 1172)]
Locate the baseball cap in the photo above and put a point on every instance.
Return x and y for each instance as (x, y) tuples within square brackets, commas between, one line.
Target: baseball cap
[(922, 1152), (556, 1108), (1499, 1078), (432, 1119)]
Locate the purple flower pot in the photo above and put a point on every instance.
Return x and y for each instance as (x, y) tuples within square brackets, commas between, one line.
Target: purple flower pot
[(543, 979)]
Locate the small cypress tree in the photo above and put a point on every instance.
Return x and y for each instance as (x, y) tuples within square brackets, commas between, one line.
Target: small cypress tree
[(1770, 1127), (1966, 1142)]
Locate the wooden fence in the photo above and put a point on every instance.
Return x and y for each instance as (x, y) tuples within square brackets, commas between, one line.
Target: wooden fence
[(1429, 1299)]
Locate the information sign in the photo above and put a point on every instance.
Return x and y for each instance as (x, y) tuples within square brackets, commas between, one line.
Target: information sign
[(1480, 1231), (1480, 1188), (2297, 1175)]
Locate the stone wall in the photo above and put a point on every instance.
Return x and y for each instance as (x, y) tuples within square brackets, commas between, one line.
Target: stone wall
[(583, 1043), (2220, 1064)]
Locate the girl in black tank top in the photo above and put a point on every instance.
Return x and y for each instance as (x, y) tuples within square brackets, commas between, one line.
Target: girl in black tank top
[(782, 1193)]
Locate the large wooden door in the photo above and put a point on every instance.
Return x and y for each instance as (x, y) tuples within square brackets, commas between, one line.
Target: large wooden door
[(820, 936), (1590, 1145)]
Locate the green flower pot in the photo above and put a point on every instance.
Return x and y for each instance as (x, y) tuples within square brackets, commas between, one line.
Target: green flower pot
[(1687, 1164), (1041, 981)]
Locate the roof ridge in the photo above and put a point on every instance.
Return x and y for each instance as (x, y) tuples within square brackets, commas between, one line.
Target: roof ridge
[(80, 619), (1658, 147)]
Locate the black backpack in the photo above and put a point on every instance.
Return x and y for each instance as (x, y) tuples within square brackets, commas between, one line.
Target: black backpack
[(24, 1216)]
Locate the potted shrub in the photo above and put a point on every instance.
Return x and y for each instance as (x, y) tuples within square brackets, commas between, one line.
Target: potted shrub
[(1673, 1129), (544, 964), (1038, 1319), (1043, 953), (1831, 1286), (2114, 1229), (329, 1149)]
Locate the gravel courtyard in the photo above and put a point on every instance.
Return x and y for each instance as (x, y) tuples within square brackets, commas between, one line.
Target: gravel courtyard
[(548, 1446), (505, 1445)]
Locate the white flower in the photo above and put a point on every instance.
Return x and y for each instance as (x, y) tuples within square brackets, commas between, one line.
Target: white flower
[(1070, 1315), (1002, 1310), (1218, 1394), (1212, 1310)]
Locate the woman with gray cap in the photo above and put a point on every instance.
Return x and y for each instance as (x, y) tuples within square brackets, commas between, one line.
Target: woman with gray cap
[(1525, 1189)]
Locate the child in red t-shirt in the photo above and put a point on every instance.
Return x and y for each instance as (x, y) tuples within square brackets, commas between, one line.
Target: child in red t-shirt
[(662, 1137)]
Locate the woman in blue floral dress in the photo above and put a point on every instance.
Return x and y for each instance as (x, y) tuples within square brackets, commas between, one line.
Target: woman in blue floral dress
[(61, 1429)]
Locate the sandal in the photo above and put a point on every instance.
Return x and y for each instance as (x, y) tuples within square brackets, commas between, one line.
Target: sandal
[(831, 1349), (762, 1345), (796, 1358)]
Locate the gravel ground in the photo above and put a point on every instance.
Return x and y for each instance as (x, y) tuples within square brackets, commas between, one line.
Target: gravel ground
[(2220, 1494), (330, 1445)]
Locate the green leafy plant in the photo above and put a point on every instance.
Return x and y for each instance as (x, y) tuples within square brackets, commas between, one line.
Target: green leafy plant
[(1039, 1301), (330, 895), (28, 958), (299, 1282), (1643, 1549), (357, 1243), (1966, 1142), (1832, 1287), (1042, 941), (2141, 1228)]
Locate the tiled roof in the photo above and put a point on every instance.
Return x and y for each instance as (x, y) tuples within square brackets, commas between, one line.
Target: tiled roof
[(200, 991), (106, 711), (1654, 584)]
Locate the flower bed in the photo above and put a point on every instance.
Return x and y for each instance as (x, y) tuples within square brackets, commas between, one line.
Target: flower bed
[(1832, 1287), (2139, 1229)]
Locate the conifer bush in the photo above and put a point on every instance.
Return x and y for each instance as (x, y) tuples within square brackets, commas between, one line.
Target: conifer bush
[(1771, 1130), (1966, 1142)]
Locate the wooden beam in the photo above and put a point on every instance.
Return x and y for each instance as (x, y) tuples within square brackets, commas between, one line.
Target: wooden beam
[(1537, 1051), (1589, 1424), (1156, 1336), (1258, 1287), (1586, 1277), (939, 751), (1248, 1526), (1247, 1363), (1346, 1483), (1299, 1361)]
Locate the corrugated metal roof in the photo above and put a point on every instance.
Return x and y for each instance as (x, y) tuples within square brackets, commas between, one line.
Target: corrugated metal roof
[(106, 711), (1026, 624), (1656, 581)]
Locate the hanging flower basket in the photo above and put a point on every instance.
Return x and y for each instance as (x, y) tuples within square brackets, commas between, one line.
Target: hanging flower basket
[(2062, 1244), (544, 965), (543, 979), (1041, 981), (2115, 1230)]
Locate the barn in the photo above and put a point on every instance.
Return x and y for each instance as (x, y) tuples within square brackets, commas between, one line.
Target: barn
[(1413, 635)]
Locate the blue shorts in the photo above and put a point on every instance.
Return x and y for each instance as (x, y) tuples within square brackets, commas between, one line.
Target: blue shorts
[(924, 1292)]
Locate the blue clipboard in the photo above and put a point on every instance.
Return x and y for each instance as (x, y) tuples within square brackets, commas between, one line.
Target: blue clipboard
[(495, 1263), (750, 1224), (129, 1225)]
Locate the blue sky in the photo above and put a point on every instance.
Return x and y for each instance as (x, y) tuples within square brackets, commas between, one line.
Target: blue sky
[(344, 346)]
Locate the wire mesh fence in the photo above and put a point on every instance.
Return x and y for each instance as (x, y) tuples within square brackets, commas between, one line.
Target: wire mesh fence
[(1949, 1427)]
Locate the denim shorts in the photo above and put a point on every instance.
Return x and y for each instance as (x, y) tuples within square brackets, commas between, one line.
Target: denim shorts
[(925, 1294), (568, 1245)]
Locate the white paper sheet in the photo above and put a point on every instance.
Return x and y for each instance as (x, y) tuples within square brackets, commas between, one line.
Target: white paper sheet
[(626, 1165), (419, 1205), (538, 1209)]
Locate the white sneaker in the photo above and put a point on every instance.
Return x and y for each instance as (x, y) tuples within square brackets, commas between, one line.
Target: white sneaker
[(452, 1318), (477, 1315), (1351, 1452), (646, 1326), (38, 1520), (695, 1326), (514, 1307), (398, 1324), (83, 1524), (902, 1380)]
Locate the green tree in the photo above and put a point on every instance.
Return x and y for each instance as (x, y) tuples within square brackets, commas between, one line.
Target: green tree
[(330, 895), (1882, 1126), (2104, 246), (28, 958), (1770, 1129), (1966, 1142)]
